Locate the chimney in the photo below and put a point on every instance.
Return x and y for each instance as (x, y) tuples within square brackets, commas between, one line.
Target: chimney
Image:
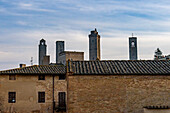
[(22, 65)]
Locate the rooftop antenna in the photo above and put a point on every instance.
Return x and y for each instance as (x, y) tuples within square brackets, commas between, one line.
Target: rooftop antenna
[(31, 61), (132, 34)]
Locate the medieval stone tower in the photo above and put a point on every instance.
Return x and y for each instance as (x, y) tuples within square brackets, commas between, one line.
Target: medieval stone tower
[(94, 45), (42, 51), (133, 48), (59, 49)]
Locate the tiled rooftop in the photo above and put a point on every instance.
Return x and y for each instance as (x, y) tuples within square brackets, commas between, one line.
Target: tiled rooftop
[(36, 69), (120, 67), (157, 107), (115, 67)]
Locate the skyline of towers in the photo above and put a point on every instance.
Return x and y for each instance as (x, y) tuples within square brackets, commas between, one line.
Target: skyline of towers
[(42, 51), (94, 49), (59, 48), (133, 55), (94, 45)]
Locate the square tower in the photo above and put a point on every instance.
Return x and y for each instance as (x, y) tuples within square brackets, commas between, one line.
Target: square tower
[(133, 55), (59, 49), (94, 45), (42, 51)]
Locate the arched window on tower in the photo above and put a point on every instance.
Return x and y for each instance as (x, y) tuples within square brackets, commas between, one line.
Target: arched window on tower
[(133, 44)]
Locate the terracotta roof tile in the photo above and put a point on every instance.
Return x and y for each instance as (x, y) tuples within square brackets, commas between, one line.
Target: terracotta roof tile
[(120, 67), (37, 69)]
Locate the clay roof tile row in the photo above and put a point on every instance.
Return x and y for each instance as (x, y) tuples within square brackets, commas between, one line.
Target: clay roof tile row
[(36, 69), (120, 67), (115, 67)]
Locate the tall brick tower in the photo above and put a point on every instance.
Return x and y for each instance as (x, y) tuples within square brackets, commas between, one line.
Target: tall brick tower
[(59, 49), (94, 45), (42, 51), (133, 55)]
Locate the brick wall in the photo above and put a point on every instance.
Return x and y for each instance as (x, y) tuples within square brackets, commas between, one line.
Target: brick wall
[(116, 94)]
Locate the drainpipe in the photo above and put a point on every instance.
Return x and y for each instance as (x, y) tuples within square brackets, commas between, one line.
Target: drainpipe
[(53, 94)]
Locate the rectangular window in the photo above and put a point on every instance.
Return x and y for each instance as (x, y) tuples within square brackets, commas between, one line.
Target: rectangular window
[(62, 77), (12, 77), (11, 97), (41, 77), (41, 97), (62, 99)]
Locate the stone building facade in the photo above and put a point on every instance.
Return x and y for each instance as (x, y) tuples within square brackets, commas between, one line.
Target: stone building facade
[(70, 55), (62, 56), (34, 89), (117, 86), (87, 87)]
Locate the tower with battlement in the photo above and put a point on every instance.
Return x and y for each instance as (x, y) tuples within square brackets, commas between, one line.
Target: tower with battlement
[(94, 45)]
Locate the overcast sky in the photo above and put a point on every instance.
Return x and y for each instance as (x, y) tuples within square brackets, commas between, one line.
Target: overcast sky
[(24, 22)]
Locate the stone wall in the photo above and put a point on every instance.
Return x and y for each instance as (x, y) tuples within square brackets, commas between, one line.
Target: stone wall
[(74, 56), (116, 94), (27, 88)]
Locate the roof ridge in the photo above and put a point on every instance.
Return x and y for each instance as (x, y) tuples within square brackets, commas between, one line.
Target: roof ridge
[(51, 65), (18, 68), (27, 67), (121, 60)]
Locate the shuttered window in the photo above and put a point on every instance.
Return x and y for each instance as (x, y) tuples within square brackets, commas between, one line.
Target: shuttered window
[(41, 77), (11, 97), (41, 97), (62, 77), (62, 99), (12, 77)]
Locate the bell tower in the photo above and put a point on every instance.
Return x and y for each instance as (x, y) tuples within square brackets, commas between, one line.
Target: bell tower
[(42, 51), (133, 48)]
